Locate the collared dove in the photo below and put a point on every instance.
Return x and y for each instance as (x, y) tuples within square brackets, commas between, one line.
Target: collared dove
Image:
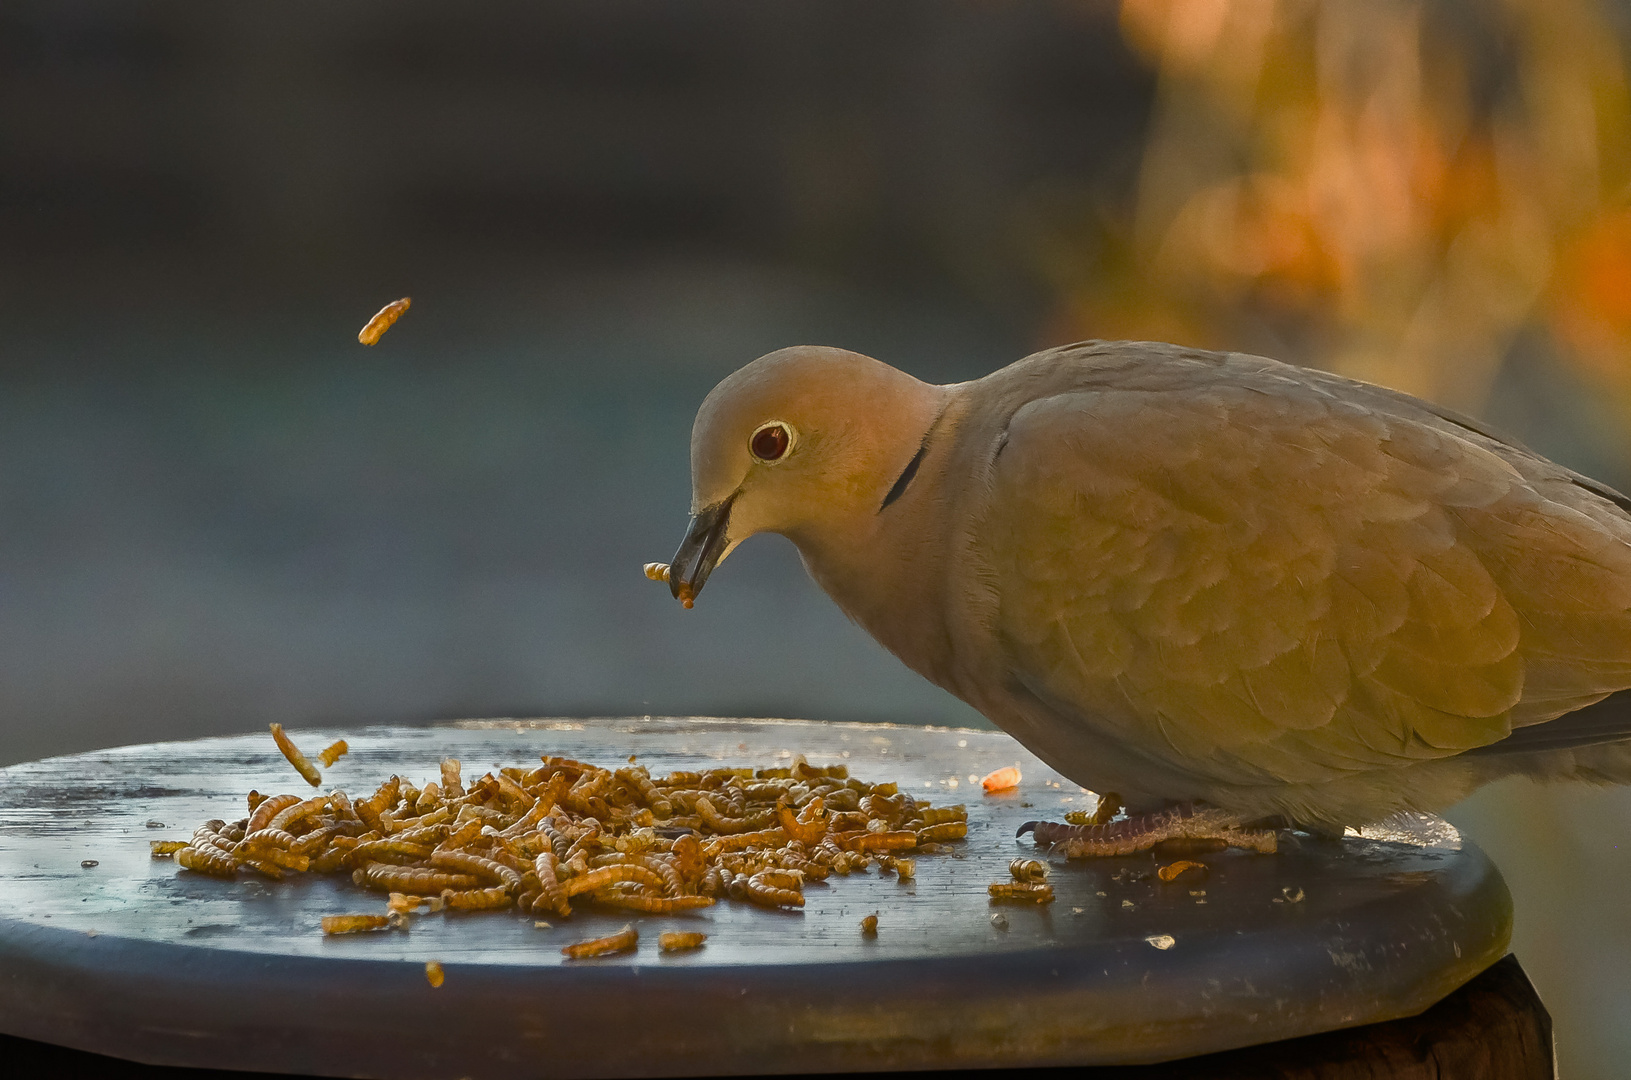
[(1195, 578)]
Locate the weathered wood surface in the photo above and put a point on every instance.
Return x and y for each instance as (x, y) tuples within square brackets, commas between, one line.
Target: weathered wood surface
[(136, 959), (1493, 1028)]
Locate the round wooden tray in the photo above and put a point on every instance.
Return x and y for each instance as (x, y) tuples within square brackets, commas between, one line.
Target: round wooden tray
[(135, 958)]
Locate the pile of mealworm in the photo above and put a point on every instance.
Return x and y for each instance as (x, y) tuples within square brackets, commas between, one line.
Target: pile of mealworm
[(539, 840)]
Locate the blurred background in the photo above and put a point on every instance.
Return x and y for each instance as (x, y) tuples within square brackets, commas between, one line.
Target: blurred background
[(217, 509)]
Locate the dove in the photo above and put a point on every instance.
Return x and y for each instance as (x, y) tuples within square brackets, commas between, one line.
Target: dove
[(1235, 592)]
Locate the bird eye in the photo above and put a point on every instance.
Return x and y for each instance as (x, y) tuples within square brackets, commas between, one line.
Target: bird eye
[(771, 441)]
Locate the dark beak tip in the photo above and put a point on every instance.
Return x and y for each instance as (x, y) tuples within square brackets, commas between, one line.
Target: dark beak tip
[(699, 552)]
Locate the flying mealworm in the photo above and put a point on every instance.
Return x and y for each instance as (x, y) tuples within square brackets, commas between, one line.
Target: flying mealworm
[(304, 767), (381, 322)]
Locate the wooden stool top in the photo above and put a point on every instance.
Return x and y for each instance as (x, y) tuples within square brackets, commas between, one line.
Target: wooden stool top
[(133, 958)]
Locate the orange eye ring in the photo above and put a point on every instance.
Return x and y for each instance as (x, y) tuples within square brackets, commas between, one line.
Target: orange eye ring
[(770, 442)]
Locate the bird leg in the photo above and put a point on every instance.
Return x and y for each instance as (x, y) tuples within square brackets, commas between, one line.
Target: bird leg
[(1185, 822)]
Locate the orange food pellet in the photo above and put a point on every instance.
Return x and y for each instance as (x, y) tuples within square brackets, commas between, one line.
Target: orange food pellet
[(1002, 779), (433, 973), (1171, 872)]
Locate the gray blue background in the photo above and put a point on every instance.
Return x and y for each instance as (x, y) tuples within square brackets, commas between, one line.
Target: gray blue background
[(218, 510)]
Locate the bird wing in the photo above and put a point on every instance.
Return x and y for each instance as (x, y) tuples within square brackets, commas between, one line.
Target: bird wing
[(1287, 576)]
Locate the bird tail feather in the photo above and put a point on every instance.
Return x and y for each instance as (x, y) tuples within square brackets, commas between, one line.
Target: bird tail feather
[(1603, 722)]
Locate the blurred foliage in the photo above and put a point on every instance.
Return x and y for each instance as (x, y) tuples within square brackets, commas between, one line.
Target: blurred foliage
[(1391, 189)]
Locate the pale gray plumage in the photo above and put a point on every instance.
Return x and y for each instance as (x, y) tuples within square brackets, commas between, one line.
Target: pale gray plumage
[(1179, 574)]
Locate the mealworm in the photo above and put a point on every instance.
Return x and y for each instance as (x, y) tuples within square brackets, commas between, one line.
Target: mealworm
[(678, 941), (1028, 870), (622, 941), (477, 866), (305, 768), (1035, 892), (381, 322), (477, 899), (383, 877)]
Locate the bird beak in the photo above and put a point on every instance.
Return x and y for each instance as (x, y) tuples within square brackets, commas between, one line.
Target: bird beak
[(699, 552)]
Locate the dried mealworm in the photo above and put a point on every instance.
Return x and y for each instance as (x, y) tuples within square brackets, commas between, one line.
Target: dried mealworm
[(946, 830), (277, 856), (477, 899), (551, 893), (333, 752), (768, 892), (267, 839), (881, 841), (452, 779), (422, 835), (651, 905), (657, 571), (208, 860), (679, 941), (351, 924), (389, 850), (673, 885), (382, 321), (624, 940), (284, 819), (527, 822), (722, 823), (210, 835), (369, 809), (607, 875), (869, 925), (305, 768), (434, 974), (1034, 892), (1028, 870), (162, 848), (268, 809), (737, 841), (938, 815), (464, 862), (807, 827), (641, 781), (383, 877)]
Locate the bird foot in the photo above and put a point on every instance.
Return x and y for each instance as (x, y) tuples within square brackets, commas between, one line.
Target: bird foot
[(1184, 825)]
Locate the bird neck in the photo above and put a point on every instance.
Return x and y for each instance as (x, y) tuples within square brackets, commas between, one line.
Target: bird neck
[(885, 567)]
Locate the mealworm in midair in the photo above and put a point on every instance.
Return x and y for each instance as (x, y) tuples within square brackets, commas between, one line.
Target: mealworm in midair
[(381, 322)]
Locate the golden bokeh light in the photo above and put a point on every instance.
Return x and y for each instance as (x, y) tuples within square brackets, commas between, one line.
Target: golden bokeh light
[(1394, 191)]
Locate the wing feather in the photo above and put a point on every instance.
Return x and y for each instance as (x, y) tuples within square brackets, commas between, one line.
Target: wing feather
[(1279, 576)]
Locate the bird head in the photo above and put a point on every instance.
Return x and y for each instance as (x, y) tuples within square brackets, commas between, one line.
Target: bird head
[(804, 442)]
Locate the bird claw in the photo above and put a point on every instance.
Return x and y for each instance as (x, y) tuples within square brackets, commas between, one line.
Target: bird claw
[(1141, 832)]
